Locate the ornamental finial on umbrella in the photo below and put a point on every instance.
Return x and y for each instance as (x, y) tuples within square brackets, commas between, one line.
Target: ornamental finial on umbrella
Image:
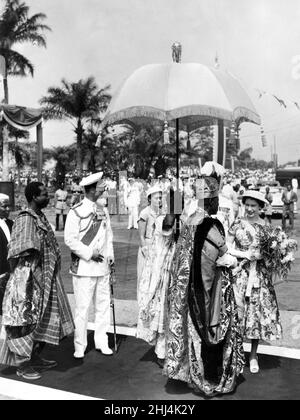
[(176, 52)]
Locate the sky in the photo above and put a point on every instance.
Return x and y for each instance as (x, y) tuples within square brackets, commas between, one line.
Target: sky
[(255, 40)]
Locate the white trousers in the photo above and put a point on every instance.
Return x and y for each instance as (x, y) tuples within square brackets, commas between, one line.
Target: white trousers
[(133, 217), (87, 289)]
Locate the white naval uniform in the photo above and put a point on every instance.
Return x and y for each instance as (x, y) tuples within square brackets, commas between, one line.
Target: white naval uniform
[(92, 278), (133, 201)]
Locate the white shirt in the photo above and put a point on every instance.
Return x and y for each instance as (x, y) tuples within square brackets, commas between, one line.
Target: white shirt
[(295, 184), (5, 229), (133, 195), (75, 230)]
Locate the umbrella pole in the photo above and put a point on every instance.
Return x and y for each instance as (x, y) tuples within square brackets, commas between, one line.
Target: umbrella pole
[(177, 152), (178, 194)]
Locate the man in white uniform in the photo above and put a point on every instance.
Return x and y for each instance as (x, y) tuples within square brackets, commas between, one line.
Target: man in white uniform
[(61, 205), (133, 201), (295, 186), (89, 236)]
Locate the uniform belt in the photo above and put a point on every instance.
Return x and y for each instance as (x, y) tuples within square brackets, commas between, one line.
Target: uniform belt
[(62, 200)]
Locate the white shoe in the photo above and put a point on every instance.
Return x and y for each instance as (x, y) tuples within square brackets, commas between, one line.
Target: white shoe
[(254, 367), (78, 355), (105, 350)]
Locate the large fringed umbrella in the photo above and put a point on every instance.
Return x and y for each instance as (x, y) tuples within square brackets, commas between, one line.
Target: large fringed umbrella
[(184, 93)]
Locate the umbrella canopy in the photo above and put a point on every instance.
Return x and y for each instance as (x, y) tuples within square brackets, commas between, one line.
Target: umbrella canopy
[(167, 92)]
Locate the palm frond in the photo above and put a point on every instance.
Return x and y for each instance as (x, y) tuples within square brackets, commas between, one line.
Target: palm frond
[(17, 64)]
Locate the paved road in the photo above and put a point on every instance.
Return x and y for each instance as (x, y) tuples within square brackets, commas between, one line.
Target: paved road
[(126, 248)]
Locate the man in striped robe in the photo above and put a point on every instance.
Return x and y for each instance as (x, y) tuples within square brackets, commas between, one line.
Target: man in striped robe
[(36, 310)]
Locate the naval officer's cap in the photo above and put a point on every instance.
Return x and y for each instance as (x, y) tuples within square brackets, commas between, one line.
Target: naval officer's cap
[(91, 179)]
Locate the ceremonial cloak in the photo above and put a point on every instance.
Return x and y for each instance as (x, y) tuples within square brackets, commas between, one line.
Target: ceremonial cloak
[(204, 342)]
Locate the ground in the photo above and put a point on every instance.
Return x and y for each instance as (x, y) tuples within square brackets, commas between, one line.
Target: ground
[(123, 377)]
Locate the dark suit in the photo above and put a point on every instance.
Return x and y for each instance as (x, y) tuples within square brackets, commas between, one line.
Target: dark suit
[(4, 266)]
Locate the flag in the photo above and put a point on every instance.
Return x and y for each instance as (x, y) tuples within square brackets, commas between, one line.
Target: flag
[(297, 105), (2, 66), (261, 93), (281, 102), (217, 63)]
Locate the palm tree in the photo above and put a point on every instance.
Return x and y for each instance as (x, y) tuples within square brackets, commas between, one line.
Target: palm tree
[(82, 101), (17, 27)]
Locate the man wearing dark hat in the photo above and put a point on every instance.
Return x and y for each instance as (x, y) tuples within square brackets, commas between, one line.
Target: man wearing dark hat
[(89, 236)]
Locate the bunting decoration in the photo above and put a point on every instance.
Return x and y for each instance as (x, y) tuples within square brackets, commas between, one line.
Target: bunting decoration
[(297, 105), (282, 102), (217, 63)]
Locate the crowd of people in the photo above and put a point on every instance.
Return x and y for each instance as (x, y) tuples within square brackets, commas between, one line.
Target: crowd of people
[(202, 284)]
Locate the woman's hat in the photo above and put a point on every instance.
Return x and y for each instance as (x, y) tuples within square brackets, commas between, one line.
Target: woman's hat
[(255, 195), (4, 197), (153, 190)]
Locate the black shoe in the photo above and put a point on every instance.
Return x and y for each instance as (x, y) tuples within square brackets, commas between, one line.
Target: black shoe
[(28, 373), (40, 363)]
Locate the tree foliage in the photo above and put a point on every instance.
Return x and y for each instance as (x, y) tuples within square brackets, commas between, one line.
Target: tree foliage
[(65, 157), (17, 27), (79, 103)]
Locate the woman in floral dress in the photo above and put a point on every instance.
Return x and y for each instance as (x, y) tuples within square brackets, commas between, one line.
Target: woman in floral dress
[(154, 262), (254, 291)]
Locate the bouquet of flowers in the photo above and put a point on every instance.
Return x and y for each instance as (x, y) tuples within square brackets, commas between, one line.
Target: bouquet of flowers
[(277, 250)]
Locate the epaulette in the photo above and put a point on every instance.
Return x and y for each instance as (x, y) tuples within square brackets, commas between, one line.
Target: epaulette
[(76, 207)]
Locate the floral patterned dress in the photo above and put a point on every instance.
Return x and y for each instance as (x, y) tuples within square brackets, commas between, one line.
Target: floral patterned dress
[(257, 303), (153, 281)]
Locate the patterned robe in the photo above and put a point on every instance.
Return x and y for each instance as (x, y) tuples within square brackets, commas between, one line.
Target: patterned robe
[(203, 333), (35, 307)]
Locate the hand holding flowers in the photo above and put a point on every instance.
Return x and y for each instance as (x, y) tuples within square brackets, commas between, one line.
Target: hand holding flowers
[(277, 250)]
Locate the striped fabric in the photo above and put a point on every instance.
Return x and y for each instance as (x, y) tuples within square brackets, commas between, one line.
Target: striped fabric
[(33, 232)]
